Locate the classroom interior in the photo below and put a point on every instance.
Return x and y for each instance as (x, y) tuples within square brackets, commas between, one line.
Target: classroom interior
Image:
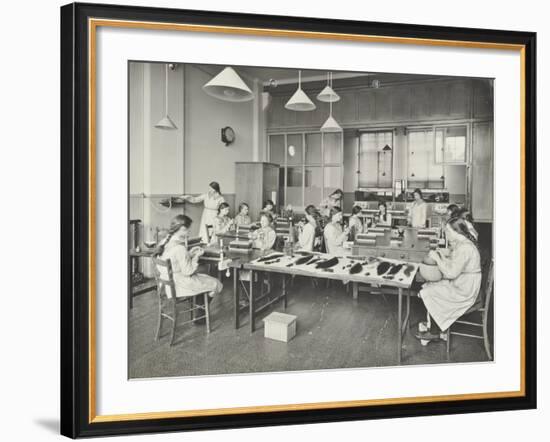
[(390, 134)]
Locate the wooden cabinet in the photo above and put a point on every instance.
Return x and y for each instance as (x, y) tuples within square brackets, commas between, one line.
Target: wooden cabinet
[(254, 183), (481, 185)]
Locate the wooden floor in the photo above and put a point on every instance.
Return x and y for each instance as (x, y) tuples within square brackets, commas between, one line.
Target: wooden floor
[(333, 331)]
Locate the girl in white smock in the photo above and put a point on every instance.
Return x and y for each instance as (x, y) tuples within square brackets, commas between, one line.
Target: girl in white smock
[(264, 238), (211, 199), (418, 211), (355, 223), (334, 235), (185, 262), (222, 223), (450, 298)]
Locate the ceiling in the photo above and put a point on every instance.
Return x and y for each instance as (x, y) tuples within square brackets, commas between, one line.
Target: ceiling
[(280, 80)]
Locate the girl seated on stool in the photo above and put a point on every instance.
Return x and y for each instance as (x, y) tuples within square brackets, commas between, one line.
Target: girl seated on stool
[(355, 222), (269, 207), (185, 262), (383, 217), (264, 238), (334, 235), (448, 299), (222, 223), (306, 229), (243, 218)]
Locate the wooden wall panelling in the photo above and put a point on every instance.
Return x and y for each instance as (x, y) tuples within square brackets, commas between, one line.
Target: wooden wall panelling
[(382, 100), (275, 111), (420, 102), (439, 100), (365, 105), (401, 103), (483, 98), (459, 99), (482, 172)]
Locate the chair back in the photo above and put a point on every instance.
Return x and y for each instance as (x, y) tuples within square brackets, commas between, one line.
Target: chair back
[(209, 232), (487, 286), (164, 276)]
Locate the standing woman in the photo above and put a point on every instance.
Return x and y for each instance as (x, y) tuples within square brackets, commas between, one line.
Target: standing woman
[(211, 199), (264, 238), (185, 262), (222, 223), (448, 299), (418, 210), (243, 218), (334, 235)]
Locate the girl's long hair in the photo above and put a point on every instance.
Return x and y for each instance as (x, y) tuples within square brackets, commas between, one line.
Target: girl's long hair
[(214, 185), (385, 216), (177, 222), (463, 227), (222, 206)]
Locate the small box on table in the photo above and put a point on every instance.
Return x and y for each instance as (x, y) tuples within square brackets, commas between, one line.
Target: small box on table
[(240, 245), (280, 326)]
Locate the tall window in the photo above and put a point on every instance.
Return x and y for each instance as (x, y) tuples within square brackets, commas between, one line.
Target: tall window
[(311, 165), (423, 171), (376, 159)]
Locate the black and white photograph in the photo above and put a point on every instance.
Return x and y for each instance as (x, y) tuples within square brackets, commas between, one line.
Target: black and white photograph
[(284, 219)]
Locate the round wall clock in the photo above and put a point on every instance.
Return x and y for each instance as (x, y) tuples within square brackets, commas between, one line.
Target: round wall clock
[(228, 135)]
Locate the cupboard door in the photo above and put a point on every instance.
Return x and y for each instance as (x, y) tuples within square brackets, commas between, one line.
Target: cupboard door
[(482, 172)]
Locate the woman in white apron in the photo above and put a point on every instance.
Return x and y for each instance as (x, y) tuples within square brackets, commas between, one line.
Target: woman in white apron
[(448, 299), (185, 262), (211, 199)]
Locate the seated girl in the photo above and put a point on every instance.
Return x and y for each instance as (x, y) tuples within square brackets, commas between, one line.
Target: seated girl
[(185, 262), (355, 222), (222, 223), (383, 217), (450, 298), (242, 218), (306, 229), (269, 207), (334, 235), (264, 238)]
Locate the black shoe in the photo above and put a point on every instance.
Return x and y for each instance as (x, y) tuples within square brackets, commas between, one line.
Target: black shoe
[(427, 336)]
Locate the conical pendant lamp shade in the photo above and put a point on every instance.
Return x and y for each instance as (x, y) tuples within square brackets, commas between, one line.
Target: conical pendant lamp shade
[(228, 86), (328, 95), (331, 125), (166, 123), (300, 101)]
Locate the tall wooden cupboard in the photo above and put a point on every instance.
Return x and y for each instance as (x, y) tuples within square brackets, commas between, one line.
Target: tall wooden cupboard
[(254, 183)]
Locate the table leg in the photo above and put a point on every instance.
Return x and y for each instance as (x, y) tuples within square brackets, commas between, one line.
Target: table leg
[(399, 324), (236, 295), (355, 290), (284, 291), (131, 284), (251, 303)]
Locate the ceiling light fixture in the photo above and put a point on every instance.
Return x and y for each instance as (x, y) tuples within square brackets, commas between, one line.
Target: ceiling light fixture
[(166, 122), (300, 101), (228, 86), (328, 95)]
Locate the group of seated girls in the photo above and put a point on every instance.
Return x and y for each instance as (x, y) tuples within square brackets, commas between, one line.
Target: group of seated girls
[(263, 238)]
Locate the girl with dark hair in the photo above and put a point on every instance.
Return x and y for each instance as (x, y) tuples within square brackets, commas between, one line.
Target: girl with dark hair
[(264, 238), (306, 229), (335, 199), (355, 223), (243, 218), (418, 210), (222, 223), (185, 262), (383, 217), (211, 199), (467, 216), (334, 235), (450, 298), (269, 207), (451, 210)]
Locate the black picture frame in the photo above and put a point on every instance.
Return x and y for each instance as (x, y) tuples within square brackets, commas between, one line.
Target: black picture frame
[(76, 402)]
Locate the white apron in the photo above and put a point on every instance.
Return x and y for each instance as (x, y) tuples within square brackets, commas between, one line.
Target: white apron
[(448, 299), (209, 213)]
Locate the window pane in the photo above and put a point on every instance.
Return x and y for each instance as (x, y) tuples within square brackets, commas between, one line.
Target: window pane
[(294, 186), (333, 179), (277, 149), (375, 163), (294, 149), (313, 148), (439, 135), (455, 144), (423, 170), (313, 185), (333, 148)]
